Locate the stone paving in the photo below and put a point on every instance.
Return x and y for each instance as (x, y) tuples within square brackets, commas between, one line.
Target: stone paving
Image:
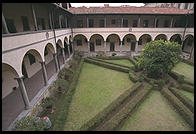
[(13, 105)]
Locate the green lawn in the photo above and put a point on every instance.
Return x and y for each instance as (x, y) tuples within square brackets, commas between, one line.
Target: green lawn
[(185, 69), (121, 62), (97, 87), (187, 94), (155, 114)]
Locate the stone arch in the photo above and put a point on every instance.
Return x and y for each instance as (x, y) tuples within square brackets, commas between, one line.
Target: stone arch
[(96, 42), (129, 42), (31, 62), (176, 38), (113, 42), (8, 81), (145, 38), (161, 36), (188, 43), (59, 42), (80, 43), (66, 45)]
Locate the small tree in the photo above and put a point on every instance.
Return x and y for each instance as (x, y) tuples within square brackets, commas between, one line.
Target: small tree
[(159, 57)]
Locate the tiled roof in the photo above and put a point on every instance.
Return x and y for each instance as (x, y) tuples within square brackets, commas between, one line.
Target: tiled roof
[(126, 10)]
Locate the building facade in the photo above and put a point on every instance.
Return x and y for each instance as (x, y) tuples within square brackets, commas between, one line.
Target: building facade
[(172, 5), (39, 39)]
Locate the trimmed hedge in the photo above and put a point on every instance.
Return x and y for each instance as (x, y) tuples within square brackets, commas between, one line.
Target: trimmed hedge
[(187, 115), (101, 60), (187, 62), (112, 57), (136, 58), (186, 101), (60, 121), (132, 76), (187, 87), (134, 62), (97, 119), (117, 68), (176, 76), (115, 121)]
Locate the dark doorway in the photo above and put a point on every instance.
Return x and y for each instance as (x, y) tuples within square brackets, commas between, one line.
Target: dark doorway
[(132, 46), (92, 47), (111, 46)]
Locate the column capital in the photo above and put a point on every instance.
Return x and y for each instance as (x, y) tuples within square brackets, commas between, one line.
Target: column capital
[(42, 62), (18, 78)]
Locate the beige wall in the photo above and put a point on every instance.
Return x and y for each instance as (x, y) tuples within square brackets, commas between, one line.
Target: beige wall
[(97, 47), (84, 46)]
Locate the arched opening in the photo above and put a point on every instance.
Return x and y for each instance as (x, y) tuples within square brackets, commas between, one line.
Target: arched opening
[(143, 40), (12, 102), (80, 43), (176, 38), (129, 42), (113, 43), (70, 44), (96, 43), (161, 37), (49, 60), (33, 74), (66, 48), (188, 44), (59, 49)]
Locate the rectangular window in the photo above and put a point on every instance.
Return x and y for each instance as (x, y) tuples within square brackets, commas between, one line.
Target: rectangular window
[(113, 22), (79, 42), (178, 5), (25, 23), (101, 23), (31, 58), (157, 23), (166, 23), (43, 24), (145, 23), (98, 42), (125, 23), (91, 23), (134, 23), (10, 25), (79, 23)]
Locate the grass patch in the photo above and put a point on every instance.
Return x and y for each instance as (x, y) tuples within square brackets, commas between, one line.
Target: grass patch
[(121, 62), (97, 87), (155, 114), (186, 70)]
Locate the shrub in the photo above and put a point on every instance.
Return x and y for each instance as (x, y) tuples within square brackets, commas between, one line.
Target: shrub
[(30, 123), (159, 57), (167, 79), (161, 83), (171, 84), (132, 76), (65, 74), (48, 102), (62, 84), (180, 79), (142, 77), (187, 87), (113, 54)]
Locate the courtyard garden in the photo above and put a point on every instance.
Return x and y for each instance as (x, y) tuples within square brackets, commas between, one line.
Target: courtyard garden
[(124, 93)]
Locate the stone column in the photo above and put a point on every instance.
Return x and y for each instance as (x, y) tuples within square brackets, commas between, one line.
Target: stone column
[(34, 18), (23, 92), (60, 21), (50, 20), (104, 21), (87, 21), (136, 47), (63, 53), (121, 46), (44, 73), (69, 49), (138, 23), (88, 46), (105, 46), (171, 22), (56, 62), (155, 21), (4, 24)]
